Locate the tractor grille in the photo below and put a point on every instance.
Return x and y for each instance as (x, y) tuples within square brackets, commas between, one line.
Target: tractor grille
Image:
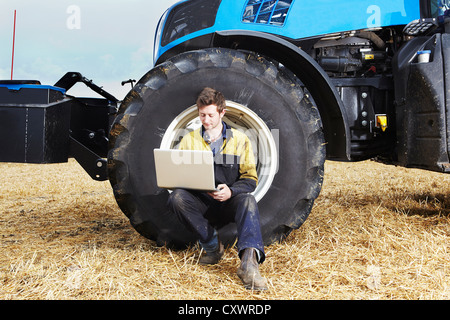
[(271, 12)]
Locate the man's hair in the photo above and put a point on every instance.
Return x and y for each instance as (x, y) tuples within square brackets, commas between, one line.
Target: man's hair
[(209, 96)]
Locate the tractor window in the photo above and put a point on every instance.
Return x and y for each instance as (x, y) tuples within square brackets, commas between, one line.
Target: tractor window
[(272, 12), (189, 17), (438, 7)]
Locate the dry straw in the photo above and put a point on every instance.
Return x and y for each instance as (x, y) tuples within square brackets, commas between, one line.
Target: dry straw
[(376, 232)]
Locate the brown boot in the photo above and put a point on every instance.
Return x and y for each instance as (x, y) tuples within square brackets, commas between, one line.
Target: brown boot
[(248, 271), (212, 257)]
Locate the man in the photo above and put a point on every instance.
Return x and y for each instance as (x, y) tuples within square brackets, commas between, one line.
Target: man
[(235, 174)]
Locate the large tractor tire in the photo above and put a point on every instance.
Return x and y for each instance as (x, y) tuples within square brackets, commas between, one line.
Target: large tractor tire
[(263, 100)]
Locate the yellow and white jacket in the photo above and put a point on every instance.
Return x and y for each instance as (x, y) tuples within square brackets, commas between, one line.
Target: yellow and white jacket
[(234, 164)]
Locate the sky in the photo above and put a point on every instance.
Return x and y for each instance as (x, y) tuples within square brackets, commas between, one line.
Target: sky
[(106, 41)]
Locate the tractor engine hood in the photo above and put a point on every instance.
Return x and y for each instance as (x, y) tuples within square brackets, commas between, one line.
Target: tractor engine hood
[(292, 19)]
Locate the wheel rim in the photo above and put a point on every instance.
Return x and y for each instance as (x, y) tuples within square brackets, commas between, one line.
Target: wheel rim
[(264, 141)]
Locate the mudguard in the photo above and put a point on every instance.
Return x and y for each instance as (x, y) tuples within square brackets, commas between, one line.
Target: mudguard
[(422, 103)]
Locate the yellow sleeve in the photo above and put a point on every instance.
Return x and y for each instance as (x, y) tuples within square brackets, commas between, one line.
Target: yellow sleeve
[(247, 165)]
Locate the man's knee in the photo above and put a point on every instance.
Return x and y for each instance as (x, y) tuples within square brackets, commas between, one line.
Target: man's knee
[(247, 199), (178, 199)]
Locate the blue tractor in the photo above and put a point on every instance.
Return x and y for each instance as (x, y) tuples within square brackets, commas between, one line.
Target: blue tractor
[(310, 79), (307, 80)]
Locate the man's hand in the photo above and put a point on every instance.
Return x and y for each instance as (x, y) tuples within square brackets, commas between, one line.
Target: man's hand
[(223, 193)]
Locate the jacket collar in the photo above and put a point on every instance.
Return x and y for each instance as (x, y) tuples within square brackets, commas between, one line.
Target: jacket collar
[(226, 131)]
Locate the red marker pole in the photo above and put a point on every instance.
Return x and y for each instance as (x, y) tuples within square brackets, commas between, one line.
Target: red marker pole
[(14, 42)]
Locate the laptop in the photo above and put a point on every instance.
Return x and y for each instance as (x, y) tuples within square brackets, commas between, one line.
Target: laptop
[(184, 169)]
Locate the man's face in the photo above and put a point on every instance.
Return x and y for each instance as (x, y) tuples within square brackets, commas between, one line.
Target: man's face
[(210, 117)]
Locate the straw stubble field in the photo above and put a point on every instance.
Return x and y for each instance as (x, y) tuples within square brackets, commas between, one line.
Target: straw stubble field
[(375, 232)]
